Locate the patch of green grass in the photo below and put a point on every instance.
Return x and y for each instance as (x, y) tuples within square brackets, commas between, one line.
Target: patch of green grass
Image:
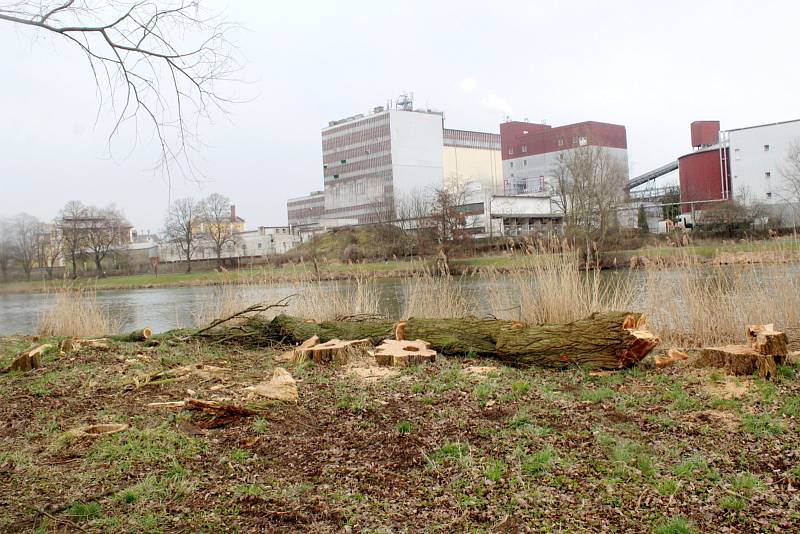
[(403, 427), (680, 400), (354, 403), (667, 487), (730, 503), (238, 456), (454, 450), (494, 469), (676, 525), (695, 467), (767, 390), (520, 388), (484, 390), (761, 425), (726, 404), (538, 463), (85, 511), (260, 426), (746, 482), (248, 490), (787, 372), (596, 395), (791, 406), (626, 455), (144, 446)]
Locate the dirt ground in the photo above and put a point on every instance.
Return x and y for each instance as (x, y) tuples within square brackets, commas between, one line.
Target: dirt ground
[(436, 448)]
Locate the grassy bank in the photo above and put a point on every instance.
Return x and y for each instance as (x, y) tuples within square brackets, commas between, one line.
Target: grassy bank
[(433, 449), (768, 251)]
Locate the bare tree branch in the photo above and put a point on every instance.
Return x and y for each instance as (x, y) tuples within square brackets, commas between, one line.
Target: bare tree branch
[(135, 46)]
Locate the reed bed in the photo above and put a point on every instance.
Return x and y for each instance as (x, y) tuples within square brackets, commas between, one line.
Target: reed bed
[(428, 295), (74, 312), (336, 299)]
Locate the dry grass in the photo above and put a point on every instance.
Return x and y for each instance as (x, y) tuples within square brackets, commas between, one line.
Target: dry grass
[(553, 288), (428, 295), (699, 304), (75, 312), (323, 300)]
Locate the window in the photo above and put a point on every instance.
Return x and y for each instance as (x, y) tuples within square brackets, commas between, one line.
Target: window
[(335, 176), (524, 132), (582, 141), (524, 162), (575, 140), (769, 195), (766, 148), (324, 166), (343, 161), (511, 164), (524, 148), (767, 175), (510, 150), (259, 244), (561, 141)]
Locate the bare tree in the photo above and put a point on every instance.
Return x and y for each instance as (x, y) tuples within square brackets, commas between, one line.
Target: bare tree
[(72, 221), (160, 60), (25, 229), (588, 184), (6, 247), (104, 229), (790, 170), (48, 247), (217, 222), (179, 228)]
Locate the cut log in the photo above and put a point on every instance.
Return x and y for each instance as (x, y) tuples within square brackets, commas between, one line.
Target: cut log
[(401, 353), (335, 350), (673, 356), (763, 338), (737, 360), (612, 340), (137, 335)]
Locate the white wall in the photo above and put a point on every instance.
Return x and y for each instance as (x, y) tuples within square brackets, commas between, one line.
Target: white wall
[(750, 162), (519, 205), (417, 148), (532, 168)]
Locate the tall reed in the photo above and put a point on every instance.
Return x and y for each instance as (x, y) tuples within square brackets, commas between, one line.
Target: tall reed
[(553, 287), (75, 312), (700, 304), (332, 299), (432, 296)]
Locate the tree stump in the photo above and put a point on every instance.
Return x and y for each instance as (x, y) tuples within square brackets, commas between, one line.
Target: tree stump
[(737, 360), (764, 339), (401, 353), (335, 350)]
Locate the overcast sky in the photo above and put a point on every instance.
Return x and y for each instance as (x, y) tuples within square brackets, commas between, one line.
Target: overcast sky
[(653, 68)]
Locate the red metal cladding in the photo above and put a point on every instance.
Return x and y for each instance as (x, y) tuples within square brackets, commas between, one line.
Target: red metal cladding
[(705, 133), (700, 177), (519, 139)]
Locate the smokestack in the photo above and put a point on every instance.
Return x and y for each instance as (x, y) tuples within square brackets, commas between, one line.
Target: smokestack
[(233, 213)]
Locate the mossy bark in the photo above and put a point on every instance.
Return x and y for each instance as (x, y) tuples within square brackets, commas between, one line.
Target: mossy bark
[(604, 340)]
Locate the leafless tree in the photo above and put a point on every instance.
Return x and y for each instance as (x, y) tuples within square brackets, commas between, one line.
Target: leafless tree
[(790, 170), (25, 229), (179, 228), (71, 222), (104, 229), (588, 185), (217, 222), (163, 61), (6, 247), (48, 247)]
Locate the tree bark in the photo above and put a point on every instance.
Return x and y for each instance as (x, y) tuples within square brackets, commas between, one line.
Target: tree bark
[(137, 335), (613, 340)]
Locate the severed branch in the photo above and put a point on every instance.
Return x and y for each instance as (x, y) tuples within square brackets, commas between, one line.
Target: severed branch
[(160, 60), (250, 310)]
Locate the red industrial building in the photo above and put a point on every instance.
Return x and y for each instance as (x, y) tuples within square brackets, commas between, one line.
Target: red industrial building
[(705, 173), (531, 150)]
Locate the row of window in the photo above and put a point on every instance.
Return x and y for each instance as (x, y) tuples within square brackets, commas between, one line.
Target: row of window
[(576, 140)]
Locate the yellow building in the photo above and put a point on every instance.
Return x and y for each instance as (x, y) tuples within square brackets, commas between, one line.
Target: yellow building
[(472, 157)]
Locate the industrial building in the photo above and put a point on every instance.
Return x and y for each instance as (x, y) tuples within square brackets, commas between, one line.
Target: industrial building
[(376, 165), (745, 164), (530, 151)]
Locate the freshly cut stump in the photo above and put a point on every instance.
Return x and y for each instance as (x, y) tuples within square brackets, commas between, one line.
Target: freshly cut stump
[(402, 353), (764, 339), (737, 360), (334, 350), (30, 360)]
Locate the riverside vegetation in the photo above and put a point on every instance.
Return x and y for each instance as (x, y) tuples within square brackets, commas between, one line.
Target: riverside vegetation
[(463, 444)]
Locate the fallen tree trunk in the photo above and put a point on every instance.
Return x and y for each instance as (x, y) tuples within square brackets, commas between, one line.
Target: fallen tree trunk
[(612, 340)]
